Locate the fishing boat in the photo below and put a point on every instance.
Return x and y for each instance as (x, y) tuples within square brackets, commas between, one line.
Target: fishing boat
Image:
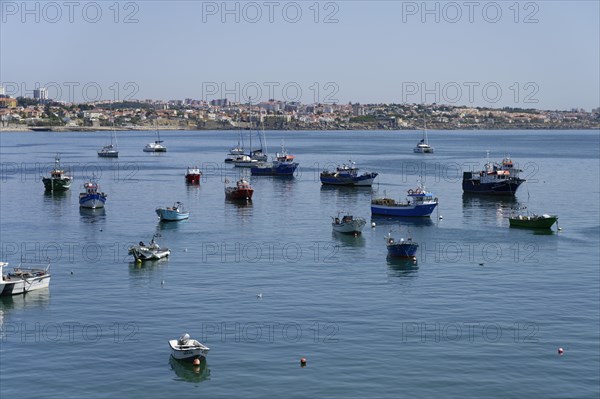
[(58, 180), (92, 198), (173, 214), (423, 146), (156, 146), (282, 165), (497, 178), (242, 191), (419, 203), (401, 249), (22, 280), (347, 175), (532, 221), (143, 252), (253, 158), (193, 175), (348, 224), (187, 349)]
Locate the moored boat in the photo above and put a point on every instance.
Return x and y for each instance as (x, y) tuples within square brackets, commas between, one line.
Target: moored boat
[(92, 198), (143, 252), (347, 175), (419, 203), (497, 178), (532, 221), (58, 180), (242, 191), (423, 146), (187, 349), (111, 150), (157, 145), (173, 214), (282, 165), (193, 175), (22, 280), (348, 224), (401, 249)]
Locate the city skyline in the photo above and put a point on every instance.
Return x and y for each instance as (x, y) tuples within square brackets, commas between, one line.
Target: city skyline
[(542, 55)]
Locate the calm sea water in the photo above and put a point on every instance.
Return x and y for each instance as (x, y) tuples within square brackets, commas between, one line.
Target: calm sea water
[(481, 314)]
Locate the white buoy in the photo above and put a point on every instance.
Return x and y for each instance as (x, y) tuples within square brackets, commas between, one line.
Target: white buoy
[(259, 295), (185, 250), (373, 224), (441, 217)]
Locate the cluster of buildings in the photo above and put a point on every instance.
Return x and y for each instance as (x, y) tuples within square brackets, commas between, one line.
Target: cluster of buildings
[(273, 114)]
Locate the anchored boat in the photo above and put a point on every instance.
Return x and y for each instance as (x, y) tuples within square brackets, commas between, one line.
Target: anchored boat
[(348, 224), (173, 214), (22, 280), (143, 252), (242, 191), (497, 178), (187, 349), (532, 221), (193, 175), (401, 249), (92, 198), (419, 203), (282, 165), (347, 175), (58, 180)]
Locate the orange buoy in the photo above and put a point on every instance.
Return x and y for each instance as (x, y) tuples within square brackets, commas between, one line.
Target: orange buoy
[(561, 351), (196, 362)]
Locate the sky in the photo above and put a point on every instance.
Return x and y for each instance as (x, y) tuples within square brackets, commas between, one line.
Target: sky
[(527, 54)]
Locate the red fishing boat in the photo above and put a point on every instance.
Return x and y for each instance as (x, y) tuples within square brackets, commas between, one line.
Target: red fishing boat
[(242, 191), (193, 175)]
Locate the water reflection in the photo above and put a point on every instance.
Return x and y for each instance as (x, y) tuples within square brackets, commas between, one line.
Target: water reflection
[(186, 371), (89, 215), (406, 221), (489, 208), (399, 267), (32, 299), (162, 225), (348, 240)]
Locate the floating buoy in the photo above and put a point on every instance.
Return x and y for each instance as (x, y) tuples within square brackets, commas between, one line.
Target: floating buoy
[(303, 362), (373, 224), (185, 250), (481, 264), (162, 282), (355, 234), (441, 217), (139, 261), (259, 295), (100, 229), (561, 351), (71, 271), (196, 362), (560, 229)]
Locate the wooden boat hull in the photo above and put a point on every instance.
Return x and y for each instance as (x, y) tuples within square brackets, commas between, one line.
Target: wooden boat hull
[(239, 194), (14, 285), (353, 227), (192, 179)]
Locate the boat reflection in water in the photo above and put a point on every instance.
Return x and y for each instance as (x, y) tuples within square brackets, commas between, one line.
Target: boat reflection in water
[(186, 371), (165, 225), (348, 240), (32, 299), (404, 221), (490, 209), (399, 267), (92, 215)]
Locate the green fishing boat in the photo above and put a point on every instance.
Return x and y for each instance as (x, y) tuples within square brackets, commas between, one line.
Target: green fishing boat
[(58, 180), (533, 221)]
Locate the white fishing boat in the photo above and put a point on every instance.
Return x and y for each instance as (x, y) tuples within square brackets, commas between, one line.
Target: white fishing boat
[(22, 279), (143, 252), (186, 348), (423, 146), (348, 224)]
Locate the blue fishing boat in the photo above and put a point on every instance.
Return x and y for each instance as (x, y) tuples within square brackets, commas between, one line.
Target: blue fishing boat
[(173, 214), (419, 203), (92, 198), (282, 165), (401, 249), (347, 175), (497, 178)]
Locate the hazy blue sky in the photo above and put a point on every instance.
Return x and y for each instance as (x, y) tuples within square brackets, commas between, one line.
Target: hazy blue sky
[(537, 54)]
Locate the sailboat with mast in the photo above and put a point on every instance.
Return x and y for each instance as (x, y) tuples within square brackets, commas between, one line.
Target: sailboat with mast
[(423, 146), (111, 150), (157, 145)]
